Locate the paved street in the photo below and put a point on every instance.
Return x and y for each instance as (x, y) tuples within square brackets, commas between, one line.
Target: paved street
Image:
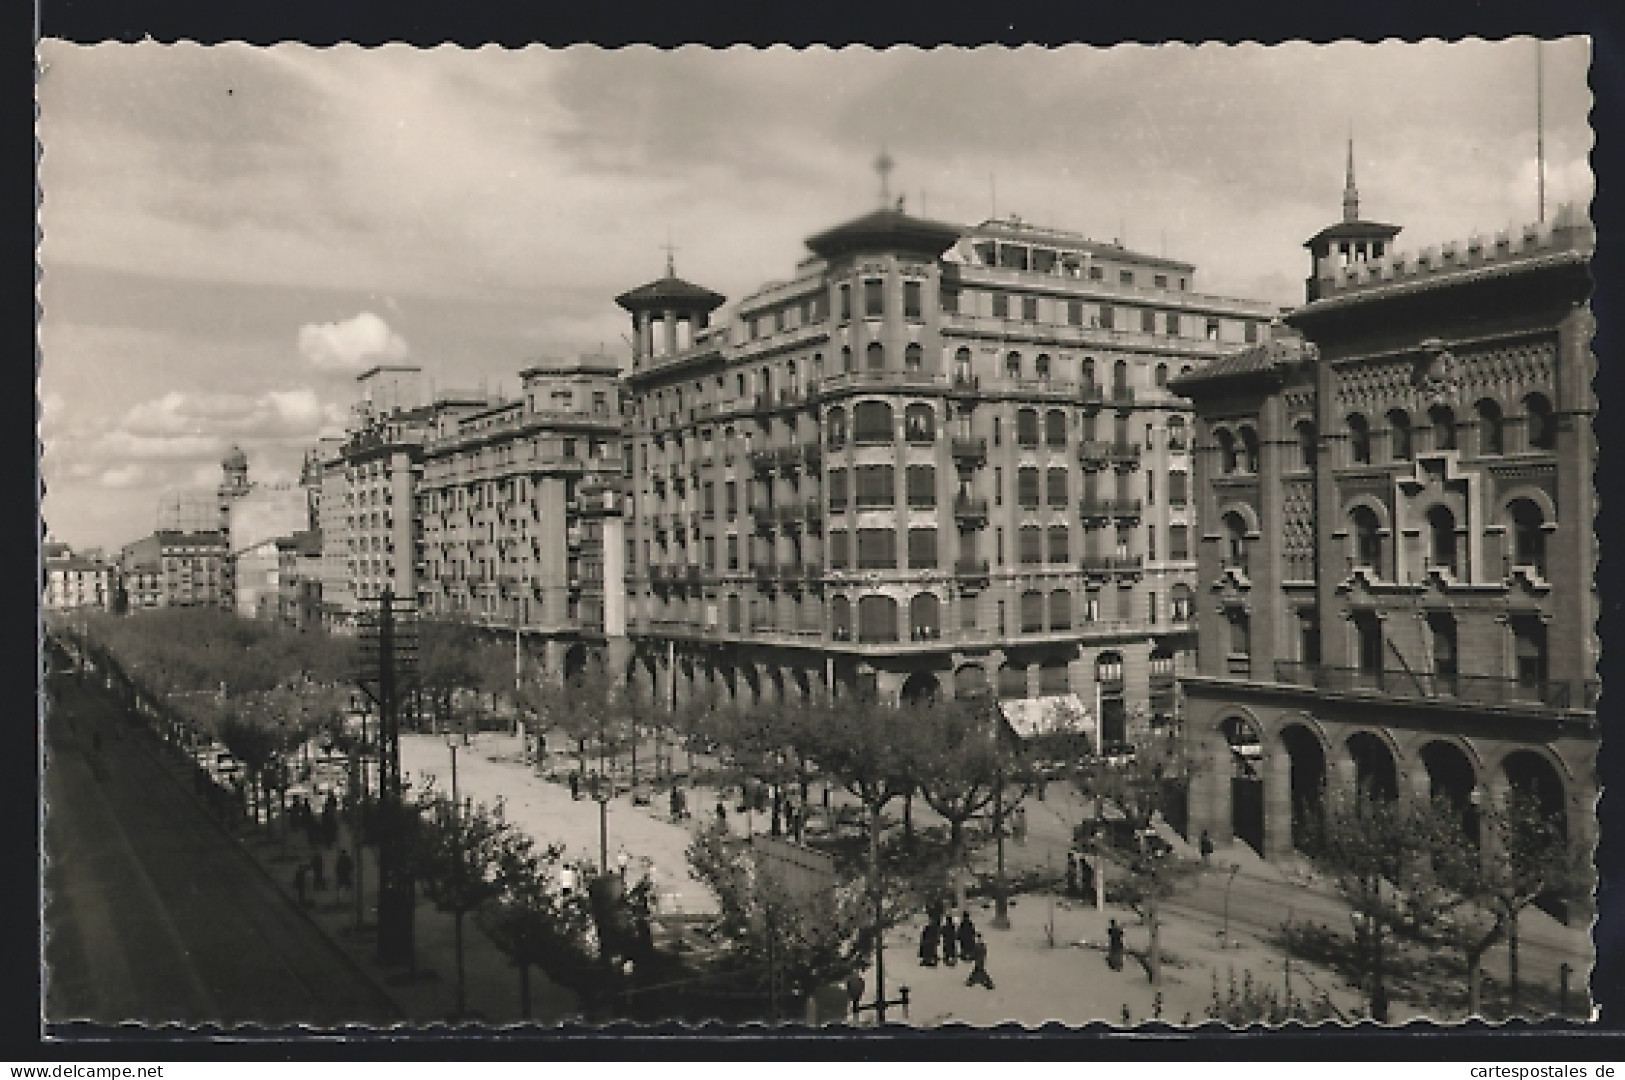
[(153, 914)]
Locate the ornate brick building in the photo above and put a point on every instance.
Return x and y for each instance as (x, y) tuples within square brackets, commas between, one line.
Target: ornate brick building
[(1395, 580), (936, 458)]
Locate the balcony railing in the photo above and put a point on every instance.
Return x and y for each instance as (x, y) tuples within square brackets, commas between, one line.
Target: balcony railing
[(1094, 452), (1107, 506), (1124, 453), (1419, 685), (970, 511), (971, 450), (971, 568)]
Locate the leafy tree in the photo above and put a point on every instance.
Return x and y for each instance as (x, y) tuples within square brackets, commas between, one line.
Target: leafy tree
[(532, 921), (457, 854), (777, 934), (1521, 856), (959, 764), (1384, 858)]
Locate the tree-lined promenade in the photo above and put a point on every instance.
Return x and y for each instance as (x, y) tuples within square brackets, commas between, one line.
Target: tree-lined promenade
[(928, 795)]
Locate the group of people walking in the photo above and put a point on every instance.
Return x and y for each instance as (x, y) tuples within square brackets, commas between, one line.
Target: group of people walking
[(955, 942)]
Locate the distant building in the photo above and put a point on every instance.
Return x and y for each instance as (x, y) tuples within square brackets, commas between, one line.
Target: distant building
[(255, 569), (77, 582), (176, 569), (1397, 561), (299, 579)]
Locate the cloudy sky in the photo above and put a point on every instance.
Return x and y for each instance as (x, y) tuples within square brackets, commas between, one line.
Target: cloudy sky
[(231, 233)]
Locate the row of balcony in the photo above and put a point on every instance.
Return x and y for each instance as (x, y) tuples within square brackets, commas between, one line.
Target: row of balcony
[(1494, 690)]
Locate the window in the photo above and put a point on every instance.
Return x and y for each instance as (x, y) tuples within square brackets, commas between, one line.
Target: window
[(1108, 317), (1489, 428), (1060, 613), (1029, 308), (924, 617), (1367, 539), (1074, 313), (1055, 485), (1235, 541), (835, 428), (839, 554), (1359, 440), (846, 359), (1029, 545), (1442, 633), (1055, 429), (1442, 533), (1150, 488), (1227, 451), (1159, 280), (1368, 635), (1012, 365), (1059, 549), (962, 364), (1171, 326), (1542, 423), (1181, 603), (1027, 428), (948, 300), (1443, 421), (846, 301), (1240, 633), (1399, 435), (877, 549), (1305, 432), (1528, 535), (1041, 365), (922, 549), (1097, 273), (1027, 488), (1529, 650), (1001, 305), (1120, 379), (998, 486), (1148, 321), (733, 552), (1249, 332), (913, 357), (874, 357), (1032, 612), (840, 618), (1125, 277), (1249, 446), (877, 618), (1179, 545), (919, 423), (911, 300), (1160, 375), (837, 491), (872, 423), (874, 486), (1176, 433), (922, 486)]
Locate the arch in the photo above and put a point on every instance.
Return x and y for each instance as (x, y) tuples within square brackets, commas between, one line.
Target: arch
[(913, 356), (1012, 365), (970, 680), (877, 618), (1442, 418), (921, 687), (874, 357), (1120, 376), (920, 423), (1376, 764), (1374, 504), (871, 422), (1176, 433), (1249, 448), (1235, 539), (1041, 366), (1055, 428), (1366, 529), (1227, 450), (1540, 422), (925, 617), (1027, 428), (1453, 778), (1527, 524), (840, 618), (1359, 439), (1305, 749), (1399, 435), (1245, 740), (1304, 433), (1491, 437)]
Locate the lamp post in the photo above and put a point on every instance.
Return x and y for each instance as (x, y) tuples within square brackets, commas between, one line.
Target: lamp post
[(457, 872), (1001, 904)]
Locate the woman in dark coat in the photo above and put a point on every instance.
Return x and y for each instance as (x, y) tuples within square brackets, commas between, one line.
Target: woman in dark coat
[(950, 941), (967, 936), (928, 943)]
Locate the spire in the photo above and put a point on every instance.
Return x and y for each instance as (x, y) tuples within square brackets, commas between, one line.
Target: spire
[(884, 165), (1351, 197), (671, 260)]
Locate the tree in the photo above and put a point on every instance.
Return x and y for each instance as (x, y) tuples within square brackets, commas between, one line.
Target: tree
[(532, 921), (777, 934), (456, 853), (958, 765), (1383, 856), (1521, 856)]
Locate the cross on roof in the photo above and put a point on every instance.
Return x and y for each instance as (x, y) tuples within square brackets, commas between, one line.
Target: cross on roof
[(671, 251), (884, 165)]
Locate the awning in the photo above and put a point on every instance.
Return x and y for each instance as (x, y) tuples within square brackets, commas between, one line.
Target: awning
[(1057, 713)]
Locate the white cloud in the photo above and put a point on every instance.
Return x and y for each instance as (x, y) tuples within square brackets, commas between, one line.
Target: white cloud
[(351, 344)]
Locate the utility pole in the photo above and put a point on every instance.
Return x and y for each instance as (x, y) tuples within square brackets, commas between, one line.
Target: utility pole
[(388, 654)]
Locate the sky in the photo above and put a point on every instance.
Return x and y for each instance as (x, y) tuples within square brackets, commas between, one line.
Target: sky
[(231, 233)]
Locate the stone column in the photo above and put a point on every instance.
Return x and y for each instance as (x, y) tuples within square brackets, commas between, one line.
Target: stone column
[(1277, 802), (1210, 796)]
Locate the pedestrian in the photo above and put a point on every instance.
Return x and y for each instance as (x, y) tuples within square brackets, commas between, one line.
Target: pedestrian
[(722, 815), (344, 873), (950, 940), (967, 936), (299, 883), (978, 973), (854, 992), (575, 785), (1206, 847), (676, 803), (1019, 825), (928, 943), (318, 872), (1114, 946), (1072, 873)]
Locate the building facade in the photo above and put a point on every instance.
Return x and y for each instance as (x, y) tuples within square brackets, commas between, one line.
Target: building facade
[(936, 460), (78, 582), (519, 504), (1396, 568), (176, 569)]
